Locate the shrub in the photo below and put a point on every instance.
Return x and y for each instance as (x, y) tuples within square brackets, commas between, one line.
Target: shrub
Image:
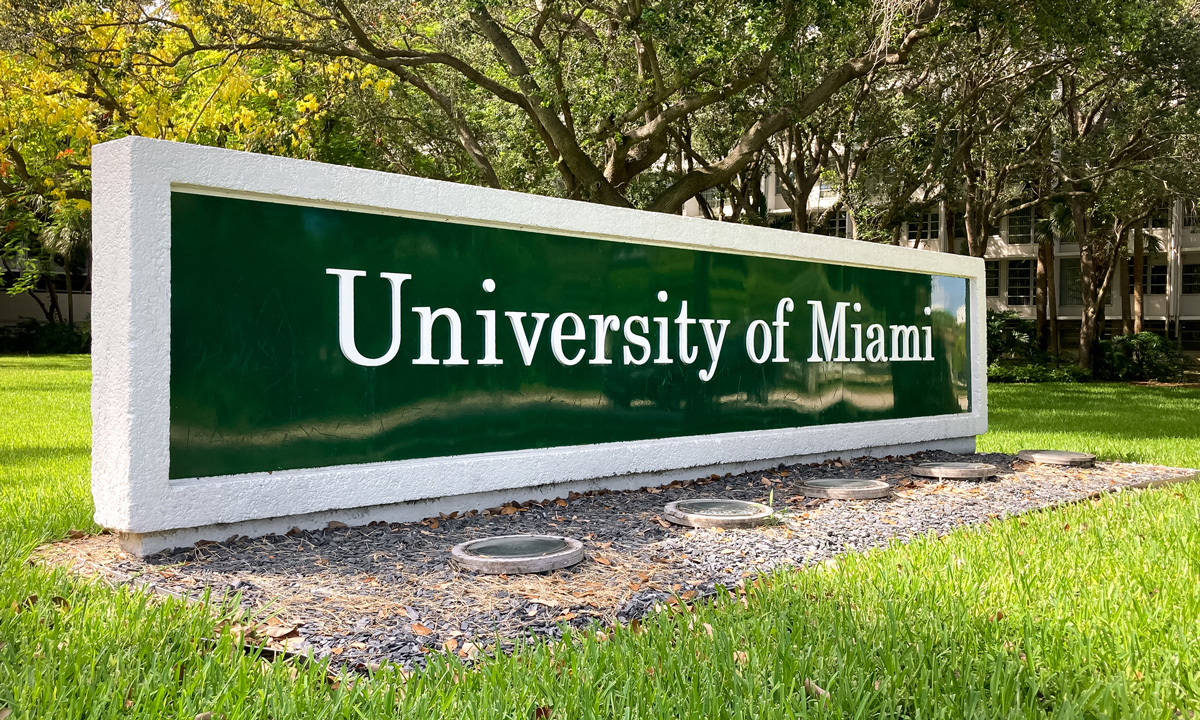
[(1143, 356), (1010, 336), (33, 337), (1034, 373)]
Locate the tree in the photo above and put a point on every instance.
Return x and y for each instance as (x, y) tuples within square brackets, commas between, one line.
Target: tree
[(55, 104), (46, 131), (1123, 119), (606, 88)]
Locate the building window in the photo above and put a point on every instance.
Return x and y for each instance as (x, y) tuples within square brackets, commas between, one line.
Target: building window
[(1157, 280), (1191, 279), (1160, 216), (1189, 334), (1154, 278), (1020, 227), (1020, 282), (836, 224), (960, 225), (827, 190), (1191, 214), (1070, 282), (924, 227), (839, 224), (991, 278)]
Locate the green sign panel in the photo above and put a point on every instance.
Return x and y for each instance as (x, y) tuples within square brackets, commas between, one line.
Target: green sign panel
[(309, 337)]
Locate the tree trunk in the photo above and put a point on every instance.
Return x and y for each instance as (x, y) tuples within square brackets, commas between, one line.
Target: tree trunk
[(1043, 271), (1126, 299), (1139, 269), (1054, 345), (70, 296), (799, 206), (976, 230), (55, 314), (1097, 271), (44, 308), (1089, 336)]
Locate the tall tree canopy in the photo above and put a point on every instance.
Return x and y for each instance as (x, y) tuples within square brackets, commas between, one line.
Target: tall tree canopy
[(903, 105)]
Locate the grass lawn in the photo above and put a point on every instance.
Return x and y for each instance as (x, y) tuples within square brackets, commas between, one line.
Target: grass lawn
[(1145, 424), (1088, 611)]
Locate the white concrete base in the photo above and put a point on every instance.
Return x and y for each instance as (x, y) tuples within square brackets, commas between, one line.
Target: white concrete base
[(141, 544)]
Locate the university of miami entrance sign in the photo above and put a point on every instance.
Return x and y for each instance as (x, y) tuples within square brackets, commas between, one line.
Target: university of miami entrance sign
[(282, 343)]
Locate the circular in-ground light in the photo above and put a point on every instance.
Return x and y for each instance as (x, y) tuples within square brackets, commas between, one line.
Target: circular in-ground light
[(1057, 457), (846, 489), (955, 470), (517, 554), (717, 512)]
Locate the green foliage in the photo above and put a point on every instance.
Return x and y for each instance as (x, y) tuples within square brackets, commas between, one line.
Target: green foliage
[(39, 338), (1143, 356), (1036, 373), (1009, 336), (1072, 612)]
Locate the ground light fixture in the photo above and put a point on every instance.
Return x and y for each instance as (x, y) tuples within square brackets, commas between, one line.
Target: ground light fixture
[(955, 470), (845, 489), (517, 554), (717, 513), (1057, 457)]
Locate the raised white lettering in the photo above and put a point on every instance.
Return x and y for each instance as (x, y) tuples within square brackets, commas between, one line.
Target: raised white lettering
[(346, 315), (766, 341), (827, 337), (427, 317), (528, 346), (639, 340), (557, 337), (603, 324), (714, 346), (784, 305)]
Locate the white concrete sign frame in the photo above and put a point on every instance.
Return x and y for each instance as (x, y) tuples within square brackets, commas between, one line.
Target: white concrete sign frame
[(133, 179)]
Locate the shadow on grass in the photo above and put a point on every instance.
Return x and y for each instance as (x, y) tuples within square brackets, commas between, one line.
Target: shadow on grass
[(1119, 411), (32, 455)]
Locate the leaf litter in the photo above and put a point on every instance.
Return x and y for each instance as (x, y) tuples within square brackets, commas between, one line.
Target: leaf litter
[(387, 592)]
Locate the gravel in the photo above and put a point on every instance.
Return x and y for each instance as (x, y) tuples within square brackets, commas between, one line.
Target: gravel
[(362, 595)]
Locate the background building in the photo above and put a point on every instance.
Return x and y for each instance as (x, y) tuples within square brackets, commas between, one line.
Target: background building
[(1171, 278)]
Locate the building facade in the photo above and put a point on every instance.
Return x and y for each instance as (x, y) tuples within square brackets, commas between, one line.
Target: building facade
[(1171, 278)]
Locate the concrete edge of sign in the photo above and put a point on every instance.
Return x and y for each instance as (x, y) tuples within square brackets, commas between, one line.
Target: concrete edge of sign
[(761, 515), (133, 179), (208, 501), (149, 543), (572, 555)]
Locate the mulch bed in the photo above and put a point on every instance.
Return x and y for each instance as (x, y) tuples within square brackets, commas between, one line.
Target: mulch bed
[(362, 595)]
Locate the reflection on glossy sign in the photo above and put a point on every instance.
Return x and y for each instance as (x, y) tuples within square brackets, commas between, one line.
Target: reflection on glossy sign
[(310, 337)]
